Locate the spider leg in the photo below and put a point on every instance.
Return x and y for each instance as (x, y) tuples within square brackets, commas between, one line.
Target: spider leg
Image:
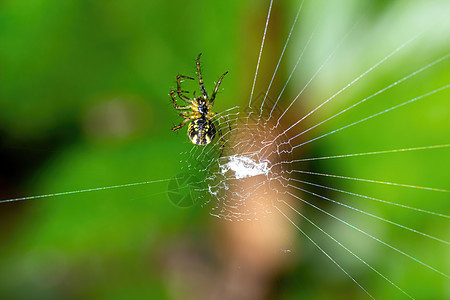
[(217, 88), (172, 94), (187, 114), (200, 79), (179, 91), (184, 122), (222, 141)]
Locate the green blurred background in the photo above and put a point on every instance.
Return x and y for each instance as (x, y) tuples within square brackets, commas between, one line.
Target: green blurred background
[(84, 103)]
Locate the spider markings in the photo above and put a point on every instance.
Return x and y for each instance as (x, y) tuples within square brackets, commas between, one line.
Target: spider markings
[(201, 130)]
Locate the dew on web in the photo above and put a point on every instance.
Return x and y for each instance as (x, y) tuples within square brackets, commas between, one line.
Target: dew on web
[(243, 166)]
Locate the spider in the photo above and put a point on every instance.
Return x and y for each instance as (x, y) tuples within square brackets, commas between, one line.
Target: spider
[(201, 130)]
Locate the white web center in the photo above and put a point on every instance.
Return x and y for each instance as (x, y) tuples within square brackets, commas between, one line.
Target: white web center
[(244, 167)]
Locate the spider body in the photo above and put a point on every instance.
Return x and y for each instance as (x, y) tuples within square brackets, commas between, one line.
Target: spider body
[(201, 130), (202, 109)]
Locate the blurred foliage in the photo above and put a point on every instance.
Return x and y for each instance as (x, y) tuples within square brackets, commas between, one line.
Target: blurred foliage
[(71, 71)]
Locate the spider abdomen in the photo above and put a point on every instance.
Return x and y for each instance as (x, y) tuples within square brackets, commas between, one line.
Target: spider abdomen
[(201, 131)]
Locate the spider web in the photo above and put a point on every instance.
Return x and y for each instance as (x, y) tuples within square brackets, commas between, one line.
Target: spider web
[(227, 184), (263, 169)]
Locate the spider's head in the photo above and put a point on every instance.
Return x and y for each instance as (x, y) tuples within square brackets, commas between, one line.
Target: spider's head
[(201, 101)]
